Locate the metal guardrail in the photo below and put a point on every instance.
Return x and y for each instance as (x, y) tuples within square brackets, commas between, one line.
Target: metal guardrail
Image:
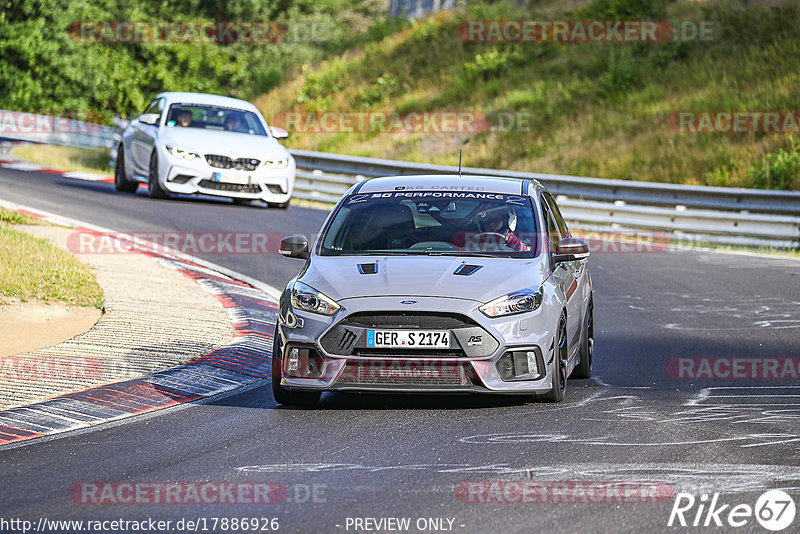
[(718, 214), (33, 128)]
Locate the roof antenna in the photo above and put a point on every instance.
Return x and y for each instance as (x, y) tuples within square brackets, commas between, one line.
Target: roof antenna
[(460, 152)]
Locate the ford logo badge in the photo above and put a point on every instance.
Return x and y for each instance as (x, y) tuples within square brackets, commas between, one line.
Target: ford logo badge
[(408, 302)]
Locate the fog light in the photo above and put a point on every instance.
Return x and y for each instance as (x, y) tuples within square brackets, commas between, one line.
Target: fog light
[(521, 365), (303, 362), (533, 367), (294, 360)]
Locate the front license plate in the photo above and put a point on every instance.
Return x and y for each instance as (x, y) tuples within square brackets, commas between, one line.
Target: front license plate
[(230, 178), (422, 339)]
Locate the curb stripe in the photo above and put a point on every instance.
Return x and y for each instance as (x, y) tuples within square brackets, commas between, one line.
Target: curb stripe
[(246, 359)]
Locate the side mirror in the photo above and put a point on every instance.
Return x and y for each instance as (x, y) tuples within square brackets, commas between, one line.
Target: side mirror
[(278, 133), (120, 123), (149, 118), (294, 246), (571, 249)]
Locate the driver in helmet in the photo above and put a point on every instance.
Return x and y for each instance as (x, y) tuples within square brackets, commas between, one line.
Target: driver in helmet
[(496, 222)]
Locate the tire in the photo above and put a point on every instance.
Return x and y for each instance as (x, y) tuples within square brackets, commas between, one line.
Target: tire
[(121, 182), (283, 395), (559, 373), (584, 367), (154, 187), (280, 206)]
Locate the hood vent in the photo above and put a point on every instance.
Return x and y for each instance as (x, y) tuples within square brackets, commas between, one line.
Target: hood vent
[(368, 268), (466, 270)]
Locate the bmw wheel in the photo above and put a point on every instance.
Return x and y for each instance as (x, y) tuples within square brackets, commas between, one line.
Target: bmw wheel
[(154, 187), (121, 182)]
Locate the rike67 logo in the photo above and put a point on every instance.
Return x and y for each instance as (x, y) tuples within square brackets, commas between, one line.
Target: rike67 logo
[(774, 510)]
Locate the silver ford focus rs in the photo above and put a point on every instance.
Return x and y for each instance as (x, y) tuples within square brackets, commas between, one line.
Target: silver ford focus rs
[(437, 284)]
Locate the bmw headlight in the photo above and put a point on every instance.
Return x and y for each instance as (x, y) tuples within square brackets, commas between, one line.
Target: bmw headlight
[(522, 301), (276, 163), (308, 299), (181, 153)]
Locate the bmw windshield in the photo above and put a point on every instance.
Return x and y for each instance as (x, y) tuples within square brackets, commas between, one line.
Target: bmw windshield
[(214, 118), (433, 223)]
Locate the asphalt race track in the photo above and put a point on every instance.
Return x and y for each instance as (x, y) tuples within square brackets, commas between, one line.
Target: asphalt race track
[(380, 456)]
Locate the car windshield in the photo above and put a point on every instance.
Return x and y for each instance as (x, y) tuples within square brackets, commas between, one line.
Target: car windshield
[(214, 118), (434, 223)]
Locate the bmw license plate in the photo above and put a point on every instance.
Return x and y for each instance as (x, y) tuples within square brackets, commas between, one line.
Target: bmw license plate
[(415, 339), (230, 177)]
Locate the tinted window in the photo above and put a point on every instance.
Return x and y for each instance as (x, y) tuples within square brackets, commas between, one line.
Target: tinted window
[(553, 231), (562, 224), (433, 222), (156, 106), (214, 118)]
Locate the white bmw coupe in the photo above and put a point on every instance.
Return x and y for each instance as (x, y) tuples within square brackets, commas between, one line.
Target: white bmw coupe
[(192, 143)]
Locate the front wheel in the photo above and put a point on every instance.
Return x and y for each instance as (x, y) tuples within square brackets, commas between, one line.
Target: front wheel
[(584, 367), (559, 374), (154, 186), (121, 182), (283, 395)]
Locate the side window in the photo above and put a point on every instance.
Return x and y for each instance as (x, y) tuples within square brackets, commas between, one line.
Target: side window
[(156, 106), (562, 224), (553, 230)]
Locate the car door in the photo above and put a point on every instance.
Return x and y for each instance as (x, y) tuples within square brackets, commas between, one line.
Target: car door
[(563, 273), (144, 138), (575, 277)]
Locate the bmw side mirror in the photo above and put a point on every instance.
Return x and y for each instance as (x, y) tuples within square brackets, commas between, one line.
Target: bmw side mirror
[(120, 123), (149, 118), (294, 246), (571, 249), (278, 133)]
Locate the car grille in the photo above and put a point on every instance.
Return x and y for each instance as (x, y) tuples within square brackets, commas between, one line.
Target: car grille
[(236, 188), (393, 373), (429, 321), (224, 162)]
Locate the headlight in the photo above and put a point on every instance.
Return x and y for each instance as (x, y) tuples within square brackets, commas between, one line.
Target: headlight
[(181, 153), (308, 299), (276, 163), (525, 300)]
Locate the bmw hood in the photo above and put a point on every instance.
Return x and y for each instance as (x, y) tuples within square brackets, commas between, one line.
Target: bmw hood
[(340, 277), (231, 144)]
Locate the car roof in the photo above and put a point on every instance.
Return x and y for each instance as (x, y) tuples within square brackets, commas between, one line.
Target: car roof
[(447, 182), (211, 100)]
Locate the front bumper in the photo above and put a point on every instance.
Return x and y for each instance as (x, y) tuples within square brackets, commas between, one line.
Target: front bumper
[(199, 177), (342, 362)]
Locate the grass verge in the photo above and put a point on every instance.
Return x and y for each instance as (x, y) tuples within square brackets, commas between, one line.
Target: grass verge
[(32, 268), (67, 158)]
